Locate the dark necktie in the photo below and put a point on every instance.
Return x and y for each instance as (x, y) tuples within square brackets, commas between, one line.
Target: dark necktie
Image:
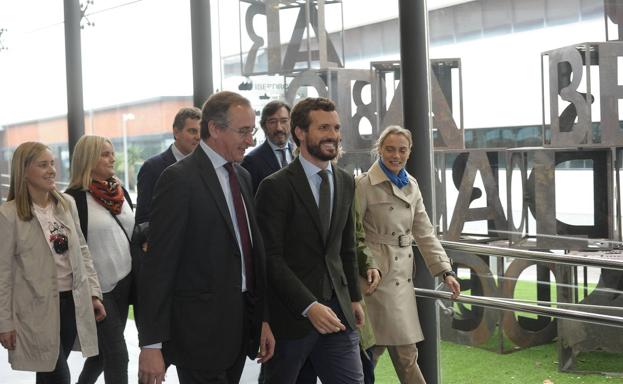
[(282, 156), (324, 208), (324, 203), (243, 227)]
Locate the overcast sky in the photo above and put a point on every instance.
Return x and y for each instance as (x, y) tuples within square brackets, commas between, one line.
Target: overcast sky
[(142, 49)]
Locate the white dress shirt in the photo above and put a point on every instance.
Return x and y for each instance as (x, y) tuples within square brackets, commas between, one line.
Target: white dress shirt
[(277, 151), (223, 177), (177, 153)]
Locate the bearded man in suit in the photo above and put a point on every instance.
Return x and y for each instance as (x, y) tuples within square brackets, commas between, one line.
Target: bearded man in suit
[(306, 218), (276, 151)]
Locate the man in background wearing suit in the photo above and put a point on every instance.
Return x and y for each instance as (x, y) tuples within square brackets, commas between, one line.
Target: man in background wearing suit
[(186, 134), (305, 214), (276, 152), (202, 284)]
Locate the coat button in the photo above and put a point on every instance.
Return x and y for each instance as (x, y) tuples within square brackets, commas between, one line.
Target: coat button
[(409, 280), (409, 255), (397, 283), (391, 208), (393, 233), (408, 231), (408, 205), (396, 258)]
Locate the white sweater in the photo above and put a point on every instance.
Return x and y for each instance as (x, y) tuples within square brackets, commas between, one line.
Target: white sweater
[(109, 247)]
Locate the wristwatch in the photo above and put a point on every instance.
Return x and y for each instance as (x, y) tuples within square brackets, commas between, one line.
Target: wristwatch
[(448, 273)]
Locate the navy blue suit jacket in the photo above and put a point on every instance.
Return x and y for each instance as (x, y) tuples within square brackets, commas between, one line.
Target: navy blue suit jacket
[(146, 181), (261, 162)]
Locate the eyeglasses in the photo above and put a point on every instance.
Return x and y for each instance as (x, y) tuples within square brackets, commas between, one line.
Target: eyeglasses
[(245, 132), (282, 121)]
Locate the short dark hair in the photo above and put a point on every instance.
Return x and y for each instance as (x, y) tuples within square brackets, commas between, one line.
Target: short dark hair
[(183, 114), (270, 109), (216, 107), (300, 113)]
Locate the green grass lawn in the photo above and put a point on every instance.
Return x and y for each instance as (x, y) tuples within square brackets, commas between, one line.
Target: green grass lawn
[(480, 365), (470, 365)]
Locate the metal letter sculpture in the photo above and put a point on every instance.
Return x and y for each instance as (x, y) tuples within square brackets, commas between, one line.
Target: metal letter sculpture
[(374, 97)]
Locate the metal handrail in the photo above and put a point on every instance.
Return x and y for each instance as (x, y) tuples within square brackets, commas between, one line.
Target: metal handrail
[(493, 250), (568, 305), (522, 307)]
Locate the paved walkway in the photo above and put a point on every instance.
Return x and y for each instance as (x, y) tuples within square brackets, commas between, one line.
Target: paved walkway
[(8, 376)]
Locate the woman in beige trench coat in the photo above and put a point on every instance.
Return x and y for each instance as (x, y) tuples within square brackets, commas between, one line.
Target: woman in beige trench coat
[(393, 215), (49, 292)]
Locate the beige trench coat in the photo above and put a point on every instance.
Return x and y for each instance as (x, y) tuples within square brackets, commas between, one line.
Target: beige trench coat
[(389, 214), (29, 299)]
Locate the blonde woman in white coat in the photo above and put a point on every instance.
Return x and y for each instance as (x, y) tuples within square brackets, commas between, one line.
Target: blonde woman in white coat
[(393, 215), (49, 292)]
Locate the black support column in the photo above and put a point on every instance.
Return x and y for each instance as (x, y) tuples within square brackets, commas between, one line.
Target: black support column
[(73, 67), (415, 68), (200, 25)]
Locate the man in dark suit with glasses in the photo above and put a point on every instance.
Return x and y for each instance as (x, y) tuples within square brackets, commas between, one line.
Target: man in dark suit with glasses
[(202, 284)]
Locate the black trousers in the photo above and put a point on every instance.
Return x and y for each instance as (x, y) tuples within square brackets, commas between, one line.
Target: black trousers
[(60, 374), (232, 374), (113, 356), (229, 376)]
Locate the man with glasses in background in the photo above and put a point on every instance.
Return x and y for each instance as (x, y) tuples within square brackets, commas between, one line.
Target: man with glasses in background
[(202, 284), (276, 152)]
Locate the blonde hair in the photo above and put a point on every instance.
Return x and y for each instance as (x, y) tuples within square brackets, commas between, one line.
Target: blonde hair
[(87, 153), (23, 156), (390, 130)]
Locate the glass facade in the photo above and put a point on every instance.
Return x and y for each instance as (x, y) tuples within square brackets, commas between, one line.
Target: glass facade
[(535, 172), (525, 135), (137, 72), (33, 96)]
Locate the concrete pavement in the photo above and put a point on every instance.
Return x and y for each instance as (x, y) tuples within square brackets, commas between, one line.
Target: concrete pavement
[(8, 376)]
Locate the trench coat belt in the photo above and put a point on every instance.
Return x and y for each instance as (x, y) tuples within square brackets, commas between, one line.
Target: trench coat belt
[(400, 240)]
